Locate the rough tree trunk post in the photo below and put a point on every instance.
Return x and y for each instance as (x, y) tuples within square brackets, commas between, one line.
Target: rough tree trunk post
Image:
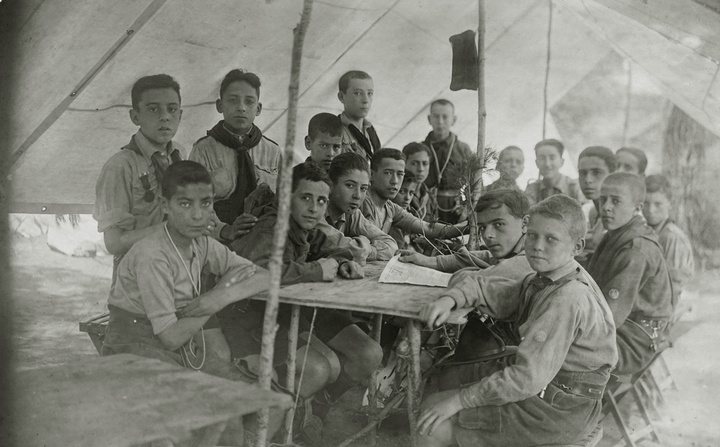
[(270, 322)]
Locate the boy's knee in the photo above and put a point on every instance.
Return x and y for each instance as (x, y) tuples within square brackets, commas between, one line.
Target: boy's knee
[(368, 356), (317, 366)]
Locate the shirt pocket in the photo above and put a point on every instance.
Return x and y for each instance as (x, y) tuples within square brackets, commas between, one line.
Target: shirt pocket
[(267, 175), (223, 180), (145, 192)]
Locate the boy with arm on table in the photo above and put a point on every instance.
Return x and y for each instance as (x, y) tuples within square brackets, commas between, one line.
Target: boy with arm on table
[(156, 305), (550, 393)]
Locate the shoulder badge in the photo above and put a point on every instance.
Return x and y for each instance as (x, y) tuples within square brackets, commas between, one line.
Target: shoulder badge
[(614, 294), (540, 336)]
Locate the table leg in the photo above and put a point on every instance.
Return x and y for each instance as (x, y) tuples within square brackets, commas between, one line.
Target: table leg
[(372, 386), (291, 362), (412, 333)]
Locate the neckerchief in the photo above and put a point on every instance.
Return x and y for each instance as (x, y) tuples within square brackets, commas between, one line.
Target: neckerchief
[(229, 209), (368, 144), (158, 167)]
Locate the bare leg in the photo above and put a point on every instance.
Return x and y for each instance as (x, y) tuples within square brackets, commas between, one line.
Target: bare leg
[(443, 435)]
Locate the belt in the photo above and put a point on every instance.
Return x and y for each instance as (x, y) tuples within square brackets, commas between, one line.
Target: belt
[(572, 385)]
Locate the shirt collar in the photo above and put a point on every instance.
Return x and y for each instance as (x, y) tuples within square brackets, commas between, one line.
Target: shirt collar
[(559, 272), (560, 183), (147, 148), (346, 121), (341, 220)]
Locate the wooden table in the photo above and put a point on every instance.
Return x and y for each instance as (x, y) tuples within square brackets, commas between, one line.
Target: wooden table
[(125, 400), (368, 295)]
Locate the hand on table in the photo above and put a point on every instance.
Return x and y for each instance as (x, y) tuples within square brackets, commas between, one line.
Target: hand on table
[(412, 257), (351, 270), (437, 312), (443, 410), (236, 276)]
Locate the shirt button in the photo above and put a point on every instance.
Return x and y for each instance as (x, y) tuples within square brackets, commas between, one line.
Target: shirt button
[(134, 321)]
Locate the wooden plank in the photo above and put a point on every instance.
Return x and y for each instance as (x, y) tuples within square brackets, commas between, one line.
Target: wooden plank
[(125, 400)]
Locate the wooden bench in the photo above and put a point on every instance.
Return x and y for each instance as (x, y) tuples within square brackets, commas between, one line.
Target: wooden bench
[(95, 327)]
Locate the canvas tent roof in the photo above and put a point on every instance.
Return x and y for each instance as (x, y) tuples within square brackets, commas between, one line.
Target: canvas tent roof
[(77, 60)]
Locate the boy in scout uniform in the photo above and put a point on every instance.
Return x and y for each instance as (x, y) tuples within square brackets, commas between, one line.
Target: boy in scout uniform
[(550, 391), (629, 266)]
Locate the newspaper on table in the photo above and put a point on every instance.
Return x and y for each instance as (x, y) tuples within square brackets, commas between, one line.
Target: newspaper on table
[(397, 272)]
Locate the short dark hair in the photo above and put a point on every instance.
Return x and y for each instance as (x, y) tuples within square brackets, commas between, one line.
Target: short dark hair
[(517, 202), (236, 75), (409, 177), (508, 149), (344, 163), (157, 81), (326, 123), (551, 142), (345, 79), (637, 153), (414, 148), (659, 183), (564, 209), (310, 171), (602, 153), (634, 184), (442, 102), (183, 173), (380, 154)]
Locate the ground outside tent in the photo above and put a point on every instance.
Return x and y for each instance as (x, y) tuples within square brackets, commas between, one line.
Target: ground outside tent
[(53, 292)]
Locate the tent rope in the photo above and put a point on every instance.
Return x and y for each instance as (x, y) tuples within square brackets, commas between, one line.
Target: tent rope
[(628, 100), (547, 68), (305, 357)]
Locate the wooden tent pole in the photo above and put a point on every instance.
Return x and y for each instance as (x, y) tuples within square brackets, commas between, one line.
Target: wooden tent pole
[(270, 326), (481, 80)]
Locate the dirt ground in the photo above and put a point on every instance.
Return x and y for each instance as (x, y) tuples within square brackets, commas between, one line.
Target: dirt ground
[(53, 292)]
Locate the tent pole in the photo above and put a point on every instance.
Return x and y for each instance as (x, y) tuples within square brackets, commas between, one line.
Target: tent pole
[(270, 325), (481, 80)]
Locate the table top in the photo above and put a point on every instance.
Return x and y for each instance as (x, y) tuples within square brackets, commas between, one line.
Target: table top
[(364, 295), (125, 399)]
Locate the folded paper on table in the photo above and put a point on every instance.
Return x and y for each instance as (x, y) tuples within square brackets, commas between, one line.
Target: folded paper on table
[(397, 272)]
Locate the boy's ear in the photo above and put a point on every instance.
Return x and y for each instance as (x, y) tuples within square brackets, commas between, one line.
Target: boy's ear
[(454, 120), (341, 97), (218, 105), (307, 142), (164, 204), (525, 221), (639, 207), (134, 116), (562, 161), (429, 121), (578, 247), (259, 109)]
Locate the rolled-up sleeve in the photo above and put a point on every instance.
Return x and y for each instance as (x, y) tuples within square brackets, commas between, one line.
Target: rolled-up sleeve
[(113, 196)]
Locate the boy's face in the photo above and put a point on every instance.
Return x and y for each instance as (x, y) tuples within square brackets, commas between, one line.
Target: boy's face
[(405, 194), (239, 106), (549, 161), (158, 114), (308, 203), (388, 177), (627, 163), (617, 205), (500, 230), (323, 148), (591, 173), (442, 118), (656, 208), (511, 164), (548, 244), (349, 191), (358, 98), (189, 210), (419, 164)]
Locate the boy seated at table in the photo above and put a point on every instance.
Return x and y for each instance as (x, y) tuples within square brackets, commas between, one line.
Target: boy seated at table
[(629, 266), (324, 139), (156, 306), (550, 392), (675, 243), (309, 256), (511, 163), (387, 172), (350, 179), (502, 223), (594, 164), (404, 198), (424, 202), (549, 159)]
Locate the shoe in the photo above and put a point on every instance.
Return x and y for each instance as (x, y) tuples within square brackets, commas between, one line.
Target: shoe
[(307, 426)]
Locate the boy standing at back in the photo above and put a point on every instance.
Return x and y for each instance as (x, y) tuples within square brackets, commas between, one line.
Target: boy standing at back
[(355, 92), (237, 154), (629, 267), (324, 139), (551, 393), (631, 160), (128, 204), (511, 163), (448, 151), (549, 160), (594, 164)]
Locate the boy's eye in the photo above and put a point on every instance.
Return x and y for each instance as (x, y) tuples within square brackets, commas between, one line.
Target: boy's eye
[(363, 188), (207, 203), (322, 201), (499, 224), (481, 228)]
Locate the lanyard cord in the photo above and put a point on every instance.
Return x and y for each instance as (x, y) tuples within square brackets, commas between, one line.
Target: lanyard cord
[(190, 345)]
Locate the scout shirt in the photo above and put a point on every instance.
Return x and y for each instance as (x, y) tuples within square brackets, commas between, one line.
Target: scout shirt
[(678, 254), (351, 135), (503, 183), (446, 153), (424, 203), (152, 279), (482, 259), (121, 197), (567, 325), (389, 215), (595, 232), (629, 267), (303, 249), (354, 225), (540, 190)]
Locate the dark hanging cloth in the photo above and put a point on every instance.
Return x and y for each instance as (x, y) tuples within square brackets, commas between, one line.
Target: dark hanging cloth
[(370, 145), (158, 166), (465, 74), (229, 209)]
